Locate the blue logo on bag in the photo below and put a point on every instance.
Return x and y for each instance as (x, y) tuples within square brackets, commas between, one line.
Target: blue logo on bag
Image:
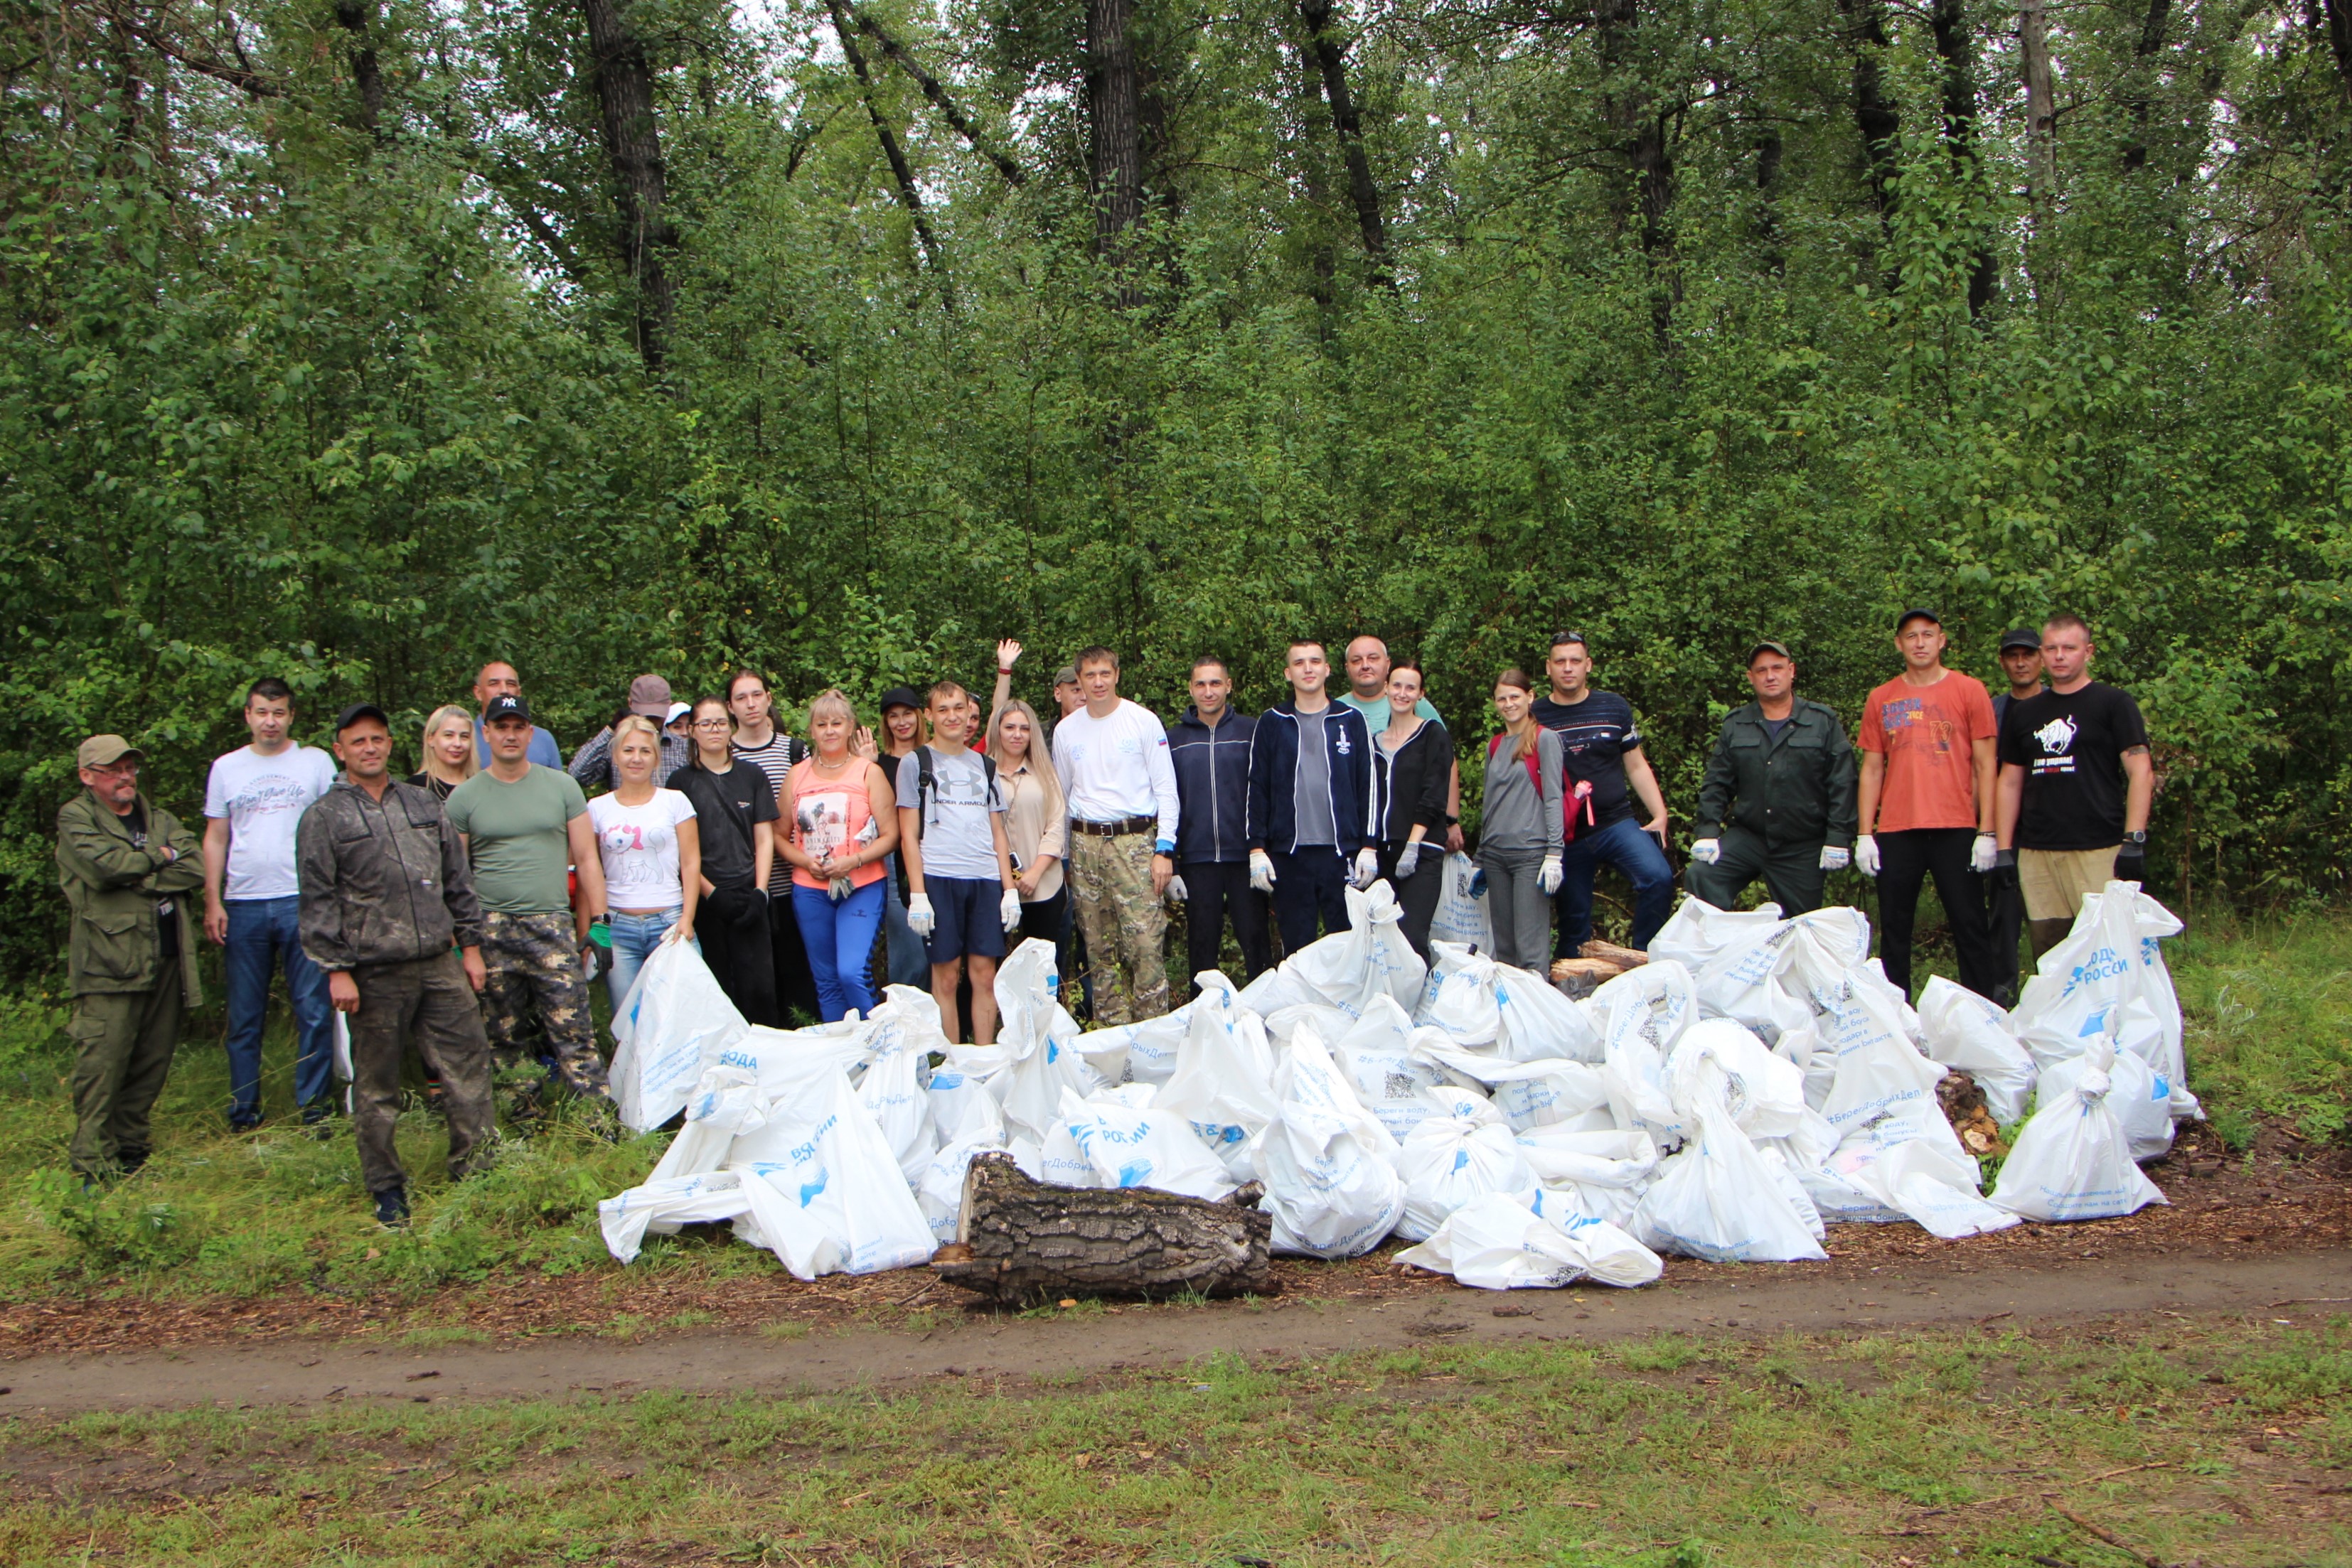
[(1135, 1175), (810, 1189), (1461, 1158)]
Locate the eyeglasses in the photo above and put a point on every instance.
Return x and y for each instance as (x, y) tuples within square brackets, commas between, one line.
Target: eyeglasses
[(713, 723), (116, 770)]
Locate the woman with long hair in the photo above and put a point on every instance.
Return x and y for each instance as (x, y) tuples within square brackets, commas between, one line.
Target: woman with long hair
[(841, 823), (1412, 761), (1035, 820), (651, 845), (447, 758), (736, 814), (1520, 830)]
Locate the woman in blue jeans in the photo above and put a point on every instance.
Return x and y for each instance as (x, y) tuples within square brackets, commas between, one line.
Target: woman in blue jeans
[(652, 850), (841, 821)]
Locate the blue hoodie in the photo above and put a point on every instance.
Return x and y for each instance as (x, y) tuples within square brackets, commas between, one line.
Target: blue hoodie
[(1212, 776), (1274, 771)]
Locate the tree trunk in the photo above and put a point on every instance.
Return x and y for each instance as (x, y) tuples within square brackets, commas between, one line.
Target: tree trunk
[(367, 78), (2151, 44), (937, 92), (624, 97), (1114, 92), (1332, 60), (1641, 129), (2339, 40), (2041, 137), (909, 197), (1873, 113), (1957, 49), (1021, 1242)]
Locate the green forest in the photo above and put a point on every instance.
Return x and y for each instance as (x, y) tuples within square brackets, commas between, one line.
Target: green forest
[(359, 341)]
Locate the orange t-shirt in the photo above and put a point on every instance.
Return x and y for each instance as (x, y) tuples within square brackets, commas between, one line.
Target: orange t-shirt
[(1928, 734), (827, 816)]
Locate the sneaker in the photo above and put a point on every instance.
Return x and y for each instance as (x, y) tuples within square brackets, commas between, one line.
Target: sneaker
[(131, 1163), (392, 1208)]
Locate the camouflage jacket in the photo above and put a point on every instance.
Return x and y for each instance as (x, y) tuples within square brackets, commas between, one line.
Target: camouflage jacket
[(383, 882), (113, 884)]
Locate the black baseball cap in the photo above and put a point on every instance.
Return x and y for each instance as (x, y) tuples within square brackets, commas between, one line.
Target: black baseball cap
[(902, 696), (2021, 637), (506, 707), (1770, 646), (358, 711), (1916, 613)]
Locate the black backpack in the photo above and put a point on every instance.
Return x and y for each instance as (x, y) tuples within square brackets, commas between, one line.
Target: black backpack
[(927, 784)]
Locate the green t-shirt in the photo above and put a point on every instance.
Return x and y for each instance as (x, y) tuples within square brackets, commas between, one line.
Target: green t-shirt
[(521, 851), (1377, 711)]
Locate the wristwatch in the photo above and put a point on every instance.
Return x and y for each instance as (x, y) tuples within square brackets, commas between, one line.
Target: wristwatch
[(2136, 836)]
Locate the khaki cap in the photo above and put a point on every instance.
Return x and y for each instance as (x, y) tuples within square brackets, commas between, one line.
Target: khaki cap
[(100, 750)]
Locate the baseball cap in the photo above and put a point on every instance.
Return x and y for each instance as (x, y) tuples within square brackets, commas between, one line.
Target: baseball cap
[(901, 697), (1067, 676), (506, 707), (677, 711), (2021, 637), (1768, 646), (1918, 613), (358, 711), (102, 750), (649, 696)]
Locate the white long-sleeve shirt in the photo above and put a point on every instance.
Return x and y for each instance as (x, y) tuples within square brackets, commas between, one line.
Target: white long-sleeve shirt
[(1115, 768)]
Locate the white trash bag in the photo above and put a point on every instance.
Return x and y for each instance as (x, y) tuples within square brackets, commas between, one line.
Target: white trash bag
[(2073, 1158), (2136, 1093), (661, 1206), (1476, 1000), (1446, 1161), (1972, 1034), (1327, 1164), (1599, 1175), (892, 1090), (1039, 1040), (939, 1192), (730, 1102), (1640, 1014), (1460, 916), (825, 1192), (1722, 1199), (1529, 1095), (1376, 1052), (1224, 1082), (1347, 968), (1498, 1242), (2111, 956), (674, 1022), (1130, 1145)]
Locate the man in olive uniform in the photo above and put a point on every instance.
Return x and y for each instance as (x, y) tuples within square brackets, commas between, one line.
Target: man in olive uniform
[(388, 911), (1777, 800), (127, 866)]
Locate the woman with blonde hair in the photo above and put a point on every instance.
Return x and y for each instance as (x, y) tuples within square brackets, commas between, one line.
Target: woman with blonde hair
[(650, 842), (1520, 830), (1035, 820), (841, 822), (447, 758)]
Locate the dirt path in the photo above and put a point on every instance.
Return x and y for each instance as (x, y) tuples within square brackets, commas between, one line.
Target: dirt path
[(1056, 1348)]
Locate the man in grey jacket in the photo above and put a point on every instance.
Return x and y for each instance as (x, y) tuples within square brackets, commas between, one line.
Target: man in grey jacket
[(1777, 800), (388, 911)]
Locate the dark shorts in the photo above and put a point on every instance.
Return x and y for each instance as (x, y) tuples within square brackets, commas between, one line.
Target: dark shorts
[(968, 918)]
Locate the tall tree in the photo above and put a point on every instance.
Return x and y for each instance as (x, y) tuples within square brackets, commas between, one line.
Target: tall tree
[(1114, 115), (1332, 61), (909, 197), (640, 179)]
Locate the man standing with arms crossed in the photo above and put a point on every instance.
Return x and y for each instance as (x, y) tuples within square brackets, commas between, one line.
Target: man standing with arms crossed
[(495, 680), (525, 824), (1310, 803), (388, 912), (253, 799), (1368, 693), (2076, 781), (1112, 756), (1210, 746), (127, 866), (1928, 801), (1602, 747), (1777, 800), (2020, 661)]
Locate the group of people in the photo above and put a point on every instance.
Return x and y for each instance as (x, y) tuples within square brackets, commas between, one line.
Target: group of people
[(464, 908)]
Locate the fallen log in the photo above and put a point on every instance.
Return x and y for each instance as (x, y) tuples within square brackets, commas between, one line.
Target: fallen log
[(1579, 977), (1021, 1242)]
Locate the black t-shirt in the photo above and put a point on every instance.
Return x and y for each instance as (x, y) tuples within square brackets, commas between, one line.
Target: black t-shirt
[(2072, 748), (726, 807), (167, 910), (1594, 737), (441, 788)]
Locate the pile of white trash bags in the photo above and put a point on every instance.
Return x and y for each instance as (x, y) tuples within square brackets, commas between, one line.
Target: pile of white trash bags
[(1757, 1079)]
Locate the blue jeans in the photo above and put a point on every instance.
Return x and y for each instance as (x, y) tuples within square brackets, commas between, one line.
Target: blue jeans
[(839, 938), (635, 937), (1624, 845), (907, 960), (259, 930)]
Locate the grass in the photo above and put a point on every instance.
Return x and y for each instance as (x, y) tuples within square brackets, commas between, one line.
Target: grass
[(2270, 1037), (2218, 1442)]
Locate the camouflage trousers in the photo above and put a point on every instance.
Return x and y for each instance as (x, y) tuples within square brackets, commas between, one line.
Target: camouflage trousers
[(1124, 923), (534, 965)]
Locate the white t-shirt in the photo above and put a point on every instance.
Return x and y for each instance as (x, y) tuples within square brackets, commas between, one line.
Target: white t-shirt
[(1116, 767), (956, 839), (639, 847), (263, 799)]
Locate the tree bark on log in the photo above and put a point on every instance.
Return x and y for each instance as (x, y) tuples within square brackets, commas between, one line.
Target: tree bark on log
[(1022, 1241)]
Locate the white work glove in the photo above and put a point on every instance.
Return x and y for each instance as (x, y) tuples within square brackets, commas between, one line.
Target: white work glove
[(1261, 870), (1368, 867), (1177, 892), (839, 888), (1008, 909), (1706, 852), (1835, 858), (1548, 876), (1407, 858), (919, 918), (1987, 852), (1865, 855)]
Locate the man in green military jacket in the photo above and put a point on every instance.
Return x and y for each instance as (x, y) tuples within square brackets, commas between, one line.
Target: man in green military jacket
[(127, 866), (1777, 800)]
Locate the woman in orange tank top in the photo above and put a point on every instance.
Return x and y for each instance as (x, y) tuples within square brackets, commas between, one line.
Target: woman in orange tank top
[(842, 821)]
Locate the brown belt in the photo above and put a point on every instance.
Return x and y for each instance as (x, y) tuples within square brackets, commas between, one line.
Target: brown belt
[(1118, 830)]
